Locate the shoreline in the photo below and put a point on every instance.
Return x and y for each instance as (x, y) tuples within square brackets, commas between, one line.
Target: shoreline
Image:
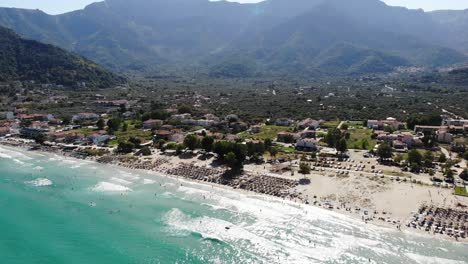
[(302, 203)]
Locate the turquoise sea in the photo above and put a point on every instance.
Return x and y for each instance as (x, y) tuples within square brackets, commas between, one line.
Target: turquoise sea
[(61, 210)]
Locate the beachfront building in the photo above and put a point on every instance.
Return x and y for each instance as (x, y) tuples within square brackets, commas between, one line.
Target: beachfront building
[(32, 132), (306, 144), (98, 138)]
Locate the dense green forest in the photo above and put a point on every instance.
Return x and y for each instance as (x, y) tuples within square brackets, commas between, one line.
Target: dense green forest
[(22, 59)]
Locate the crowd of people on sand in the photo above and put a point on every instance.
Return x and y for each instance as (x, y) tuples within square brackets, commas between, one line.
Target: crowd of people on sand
[(453, 223)]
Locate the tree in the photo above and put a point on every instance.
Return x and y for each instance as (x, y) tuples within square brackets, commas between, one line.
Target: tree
[(332, 137), (125, 147), (135, 141), (415, 167), (40, 138), (191, 142), (66, 120), (124, 127), (414, 157), (268, 143), (304, 168), (113, 124), (255, 150), (145, 151), (184, 109), (207, 143), (179, 148), (384, 151), (101, 124), (398, 158), (365, 144), (388, 129), (25, 123), (464, 175), (273, 152), (345, 126), (428, 159), (433, 119), (231, 160), (341, 145), (442, 158), (448, 173)]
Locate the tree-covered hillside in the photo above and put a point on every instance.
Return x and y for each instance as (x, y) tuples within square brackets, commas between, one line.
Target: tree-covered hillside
[(202, 38), (22, 59)]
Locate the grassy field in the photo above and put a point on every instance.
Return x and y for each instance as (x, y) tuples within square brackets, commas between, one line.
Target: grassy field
[(355, 124), (285, 149), (461, 140), (331, 124), (268, 132), (461, 191), (358, 137)]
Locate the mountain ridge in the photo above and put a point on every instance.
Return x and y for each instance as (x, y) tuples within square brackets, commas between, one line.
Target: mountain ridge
[(198, 35)]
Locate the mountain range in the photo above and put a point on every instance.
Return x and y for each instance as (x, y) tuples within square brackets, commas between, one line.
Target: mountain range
[(271, 38), (25, 60)]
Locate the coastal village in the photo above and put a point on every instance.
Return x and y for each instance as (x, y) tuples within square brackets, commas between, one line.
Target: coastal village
[(406, 173)]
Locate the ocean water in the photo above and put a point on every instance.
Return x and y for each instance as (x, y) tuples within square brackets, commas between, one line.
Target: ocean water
[(59, 210)]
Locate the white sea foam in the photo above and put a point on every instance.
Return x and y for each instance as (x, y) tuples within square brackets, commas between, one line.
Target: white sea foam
[(121, 181), (110, 187), (148, 182), (5, 156), (10, 153), (432, 260), (40, 182), (38, 168), (285, 232)]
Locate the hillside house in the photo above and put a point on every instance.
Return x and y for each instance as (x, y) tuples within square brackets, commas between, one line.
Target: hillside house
[(152, 123), (284, 122), (85, 117)]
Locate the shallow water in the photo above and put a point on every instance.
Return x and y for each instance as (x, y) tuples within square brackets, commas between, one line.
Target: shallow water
[(59, 210)]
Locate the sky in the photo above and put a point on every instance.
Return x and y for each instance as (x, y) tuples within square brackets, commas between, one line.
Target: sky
[(62, 6)]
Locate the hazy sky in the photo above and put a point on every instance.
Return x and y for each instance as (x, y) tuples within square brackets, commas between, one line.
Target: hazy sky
[(61, 6)]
